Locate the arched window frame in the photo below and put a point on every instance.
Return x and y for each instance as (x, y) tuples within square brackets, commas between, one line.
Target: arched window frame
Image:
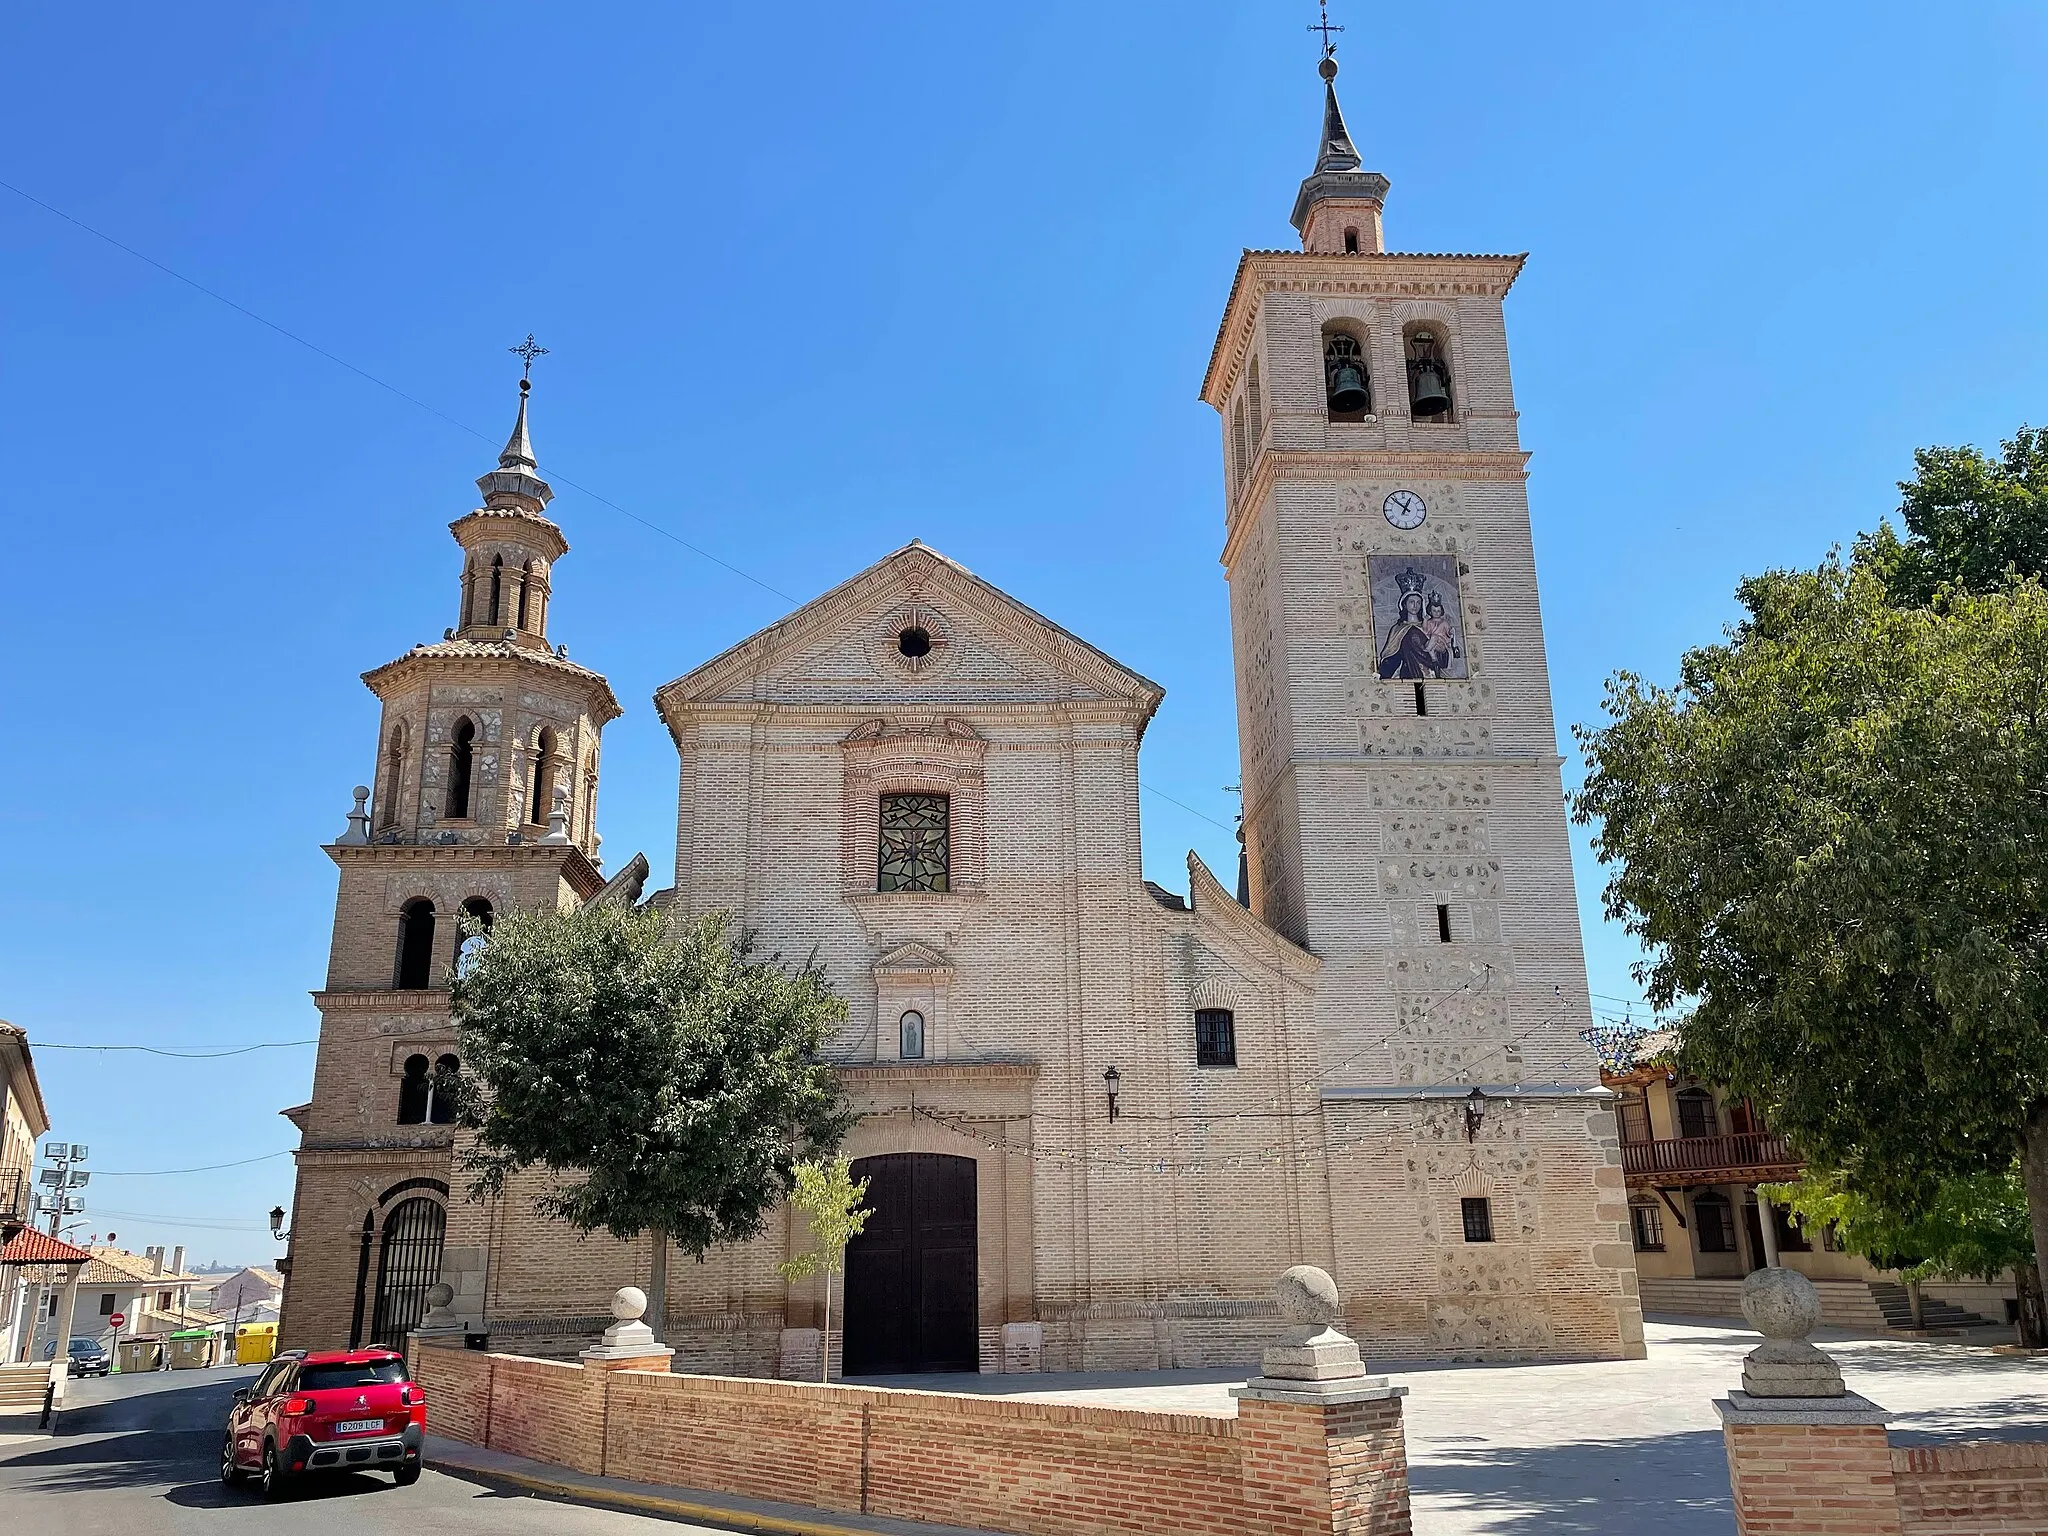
[(394, 775), (497, 591), (415, 1090), (442, 1096), (475, 911), (1346, 341), (461, 768), (910, 1035), (546, 760), (1416, 353), (1215, 1037), (1240, 442), (1255, 401), (415, 968), (393, 1311)]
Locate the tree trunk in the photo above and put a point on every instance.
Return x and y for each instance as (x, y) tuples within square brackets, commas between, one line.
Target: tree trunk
[(825, 1338), (1913, 1296), (2033, 1320), (2034, 1167), (657, 1287)]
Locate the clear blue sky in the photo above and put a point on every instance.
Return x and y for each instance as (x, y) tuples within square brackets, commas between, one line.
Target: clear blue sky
[(818, 280)]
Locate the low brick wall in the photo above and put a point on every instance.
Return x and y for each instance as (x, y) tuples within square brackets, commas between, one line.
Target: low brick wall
[(1038, 1469), (1986, 1488), (1818, 1479)]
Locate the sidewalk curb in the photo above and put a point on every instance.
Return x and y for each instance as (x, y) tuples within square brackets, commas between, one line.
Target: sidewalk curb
[(662, 1504)]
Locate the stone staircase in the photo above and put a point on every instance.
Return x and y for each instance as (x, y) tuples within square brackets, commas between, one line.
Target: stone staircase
[(1935, 1316), (22, 1387)]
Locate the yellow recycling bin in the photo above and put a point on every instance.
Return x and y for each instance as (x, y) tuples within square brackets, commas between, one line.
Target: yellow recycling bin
[(255, 1343)]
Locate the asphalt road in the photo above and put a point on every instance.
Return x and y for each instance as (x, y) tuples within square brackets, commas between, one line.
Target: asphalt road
[(138, 1455)]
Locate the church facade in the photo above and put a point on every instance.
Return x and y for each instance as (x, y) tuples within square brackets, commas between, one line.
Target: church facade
[(1097, 1117)]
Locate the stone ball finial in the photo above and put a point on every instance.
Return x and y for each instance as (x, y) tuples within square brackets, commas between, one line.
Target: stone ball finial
[(439, 1295), (1328, 68), (629, 1302), (1307, 1295), (1781, 1303)]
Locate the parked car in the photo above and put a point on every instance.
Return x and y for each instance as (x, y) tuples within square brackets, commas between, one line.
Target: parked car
[(88, 1357), (326, 1411)]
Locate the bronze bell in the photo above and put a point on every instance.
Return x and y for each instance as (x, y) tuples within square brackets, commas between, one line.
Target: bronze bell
[(1348, 394), (1431, 397)]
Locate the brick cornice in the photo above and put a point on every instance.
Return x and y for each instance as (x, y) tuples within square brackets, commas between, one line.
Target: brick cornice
[(427, 1000), (916, 1073), (539, 670), (584, 878)]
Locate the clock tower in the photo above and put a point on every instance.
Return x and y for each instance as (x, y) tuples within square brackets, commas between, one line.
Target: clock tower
[(1404, 814)]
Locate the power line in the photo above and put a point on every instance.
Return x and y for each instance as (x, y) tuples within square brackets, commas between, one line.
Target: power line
[(154, 1050), (158, 1173), (463, 426)]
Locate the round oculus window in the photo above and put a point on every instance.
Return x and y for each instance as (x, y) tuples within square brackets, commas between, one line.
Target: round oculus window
[(914, 642)]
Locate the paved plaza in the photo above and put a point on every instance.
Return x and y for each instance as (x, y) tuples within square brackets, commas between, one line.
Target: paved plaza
[(1613, 1448)]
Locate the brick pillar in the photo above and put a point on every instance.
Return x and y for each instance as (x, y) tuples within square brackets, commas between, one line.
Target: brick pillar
[(1807, 1466), (1323, 1463)]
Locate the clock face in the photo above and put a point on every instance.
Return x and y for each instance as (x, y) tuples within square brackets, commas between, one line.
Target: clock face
[(1404, 509)]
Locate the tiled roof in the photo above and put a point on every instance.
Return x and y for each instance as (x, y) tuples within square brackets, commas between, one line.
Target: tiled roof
[(500, 650), (28, 1246), (117, 1266)]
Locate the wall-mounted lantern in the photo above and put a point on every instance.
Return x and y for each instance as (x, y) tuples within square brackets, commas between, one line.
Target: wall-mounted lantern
[(1475, 1113), (1113, 1081)]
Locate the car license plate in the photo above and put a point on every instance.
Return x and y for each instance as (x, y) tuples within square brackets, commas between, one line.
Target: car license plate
[(357, 1426)]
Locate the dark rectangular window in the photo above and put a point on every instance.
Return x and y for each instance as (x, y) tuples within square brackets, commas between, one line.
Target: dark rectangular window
[(1215, 1037), (1443, 924), (914, 848), (1714, 1220), (1646, 1227), (1421, 701), (1634, 1112), (1478, 1218), (1696, 1113), (106, 1303)]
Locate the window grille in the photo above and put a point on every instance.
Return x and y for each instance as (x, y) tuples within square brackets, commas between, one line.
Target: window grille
[(1478, 1214), (1646, 1227), (1215, 1037), (1696, 1113), (1714, 1219), (408, 1267), (915, 844)]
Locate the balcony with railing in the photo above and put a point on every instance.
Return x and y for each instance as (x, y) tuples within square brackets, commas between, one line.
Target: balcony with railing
[(1736, 1157), (14, 1199)]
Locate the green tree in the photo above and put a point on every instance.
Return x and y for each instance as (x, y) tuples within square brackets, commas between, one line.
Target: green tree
[(1972, 522), (1975, 1226), (669, 1080), (830, 1198), (1828, 836)]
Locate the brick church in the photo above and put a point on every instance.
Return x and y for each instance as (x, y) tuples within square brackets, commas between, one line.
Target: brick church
[(1098, 1116)]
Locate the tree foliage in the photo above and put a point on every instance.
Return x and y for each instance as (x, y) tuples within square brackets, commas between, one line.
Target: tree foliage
[(1973, 522), (1975, 1226), (670, 1081), (1828, 837)]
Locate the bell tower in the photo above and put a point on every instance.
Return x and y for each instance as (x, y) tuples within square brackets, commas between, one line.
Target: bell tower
[(484, 798), (1404, 813)]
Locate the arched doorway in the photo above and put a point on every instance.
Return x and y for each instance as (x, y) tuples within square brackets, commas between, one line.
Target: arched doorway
[(910, 1277), (409, 1266)]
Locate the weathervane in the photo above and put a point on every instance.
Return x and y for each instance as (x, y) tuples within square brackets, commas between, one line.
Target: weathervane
[(527, 351), (1324, 27)]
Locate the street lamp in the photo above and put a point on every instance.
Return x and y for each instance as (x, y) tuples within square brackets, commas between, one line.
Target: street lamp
[(1475, 1113), (1112, 1080), (278, 1231)]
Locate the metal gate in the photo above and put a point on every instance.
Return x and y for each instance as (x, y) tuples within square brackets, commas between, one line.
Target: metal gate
[(409, 1266), (910, 1275)]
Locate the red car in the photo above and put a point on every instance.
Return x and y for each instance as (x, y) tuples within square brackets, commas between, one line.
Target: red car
[(336, 1410)]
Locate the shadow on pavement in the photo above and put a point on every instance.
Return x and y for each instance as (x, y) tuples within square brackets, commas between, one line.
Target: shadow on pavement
[(1675, 1485), (116, 1461)]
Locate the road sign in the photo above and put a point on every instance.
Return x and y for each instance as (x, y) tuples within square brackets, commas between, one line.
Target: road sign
[(118, 1319)]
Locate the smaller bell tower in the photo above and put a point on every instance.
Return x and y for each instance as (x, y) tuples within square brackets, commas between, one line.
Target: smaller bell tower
[(484, 800)]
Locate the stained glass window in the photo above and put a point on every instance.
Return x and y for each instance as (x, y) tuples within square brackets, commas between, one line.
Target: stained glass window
[(915, 845)]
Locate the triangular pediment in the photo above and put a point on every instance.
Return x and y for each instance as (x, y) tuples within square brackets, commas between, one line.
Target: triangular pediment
[(913, 958), (849, 646)]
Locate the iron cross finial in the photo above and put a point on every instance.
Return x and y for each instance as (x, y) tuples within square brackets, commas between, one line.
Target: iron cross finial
[(527, 351), (1324, 27)]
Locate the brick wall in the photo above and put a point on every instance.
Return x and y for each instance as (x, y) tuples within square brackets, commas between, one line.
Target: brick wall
[(1989, 1489), (1040, 1469), (1849, 1480)]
